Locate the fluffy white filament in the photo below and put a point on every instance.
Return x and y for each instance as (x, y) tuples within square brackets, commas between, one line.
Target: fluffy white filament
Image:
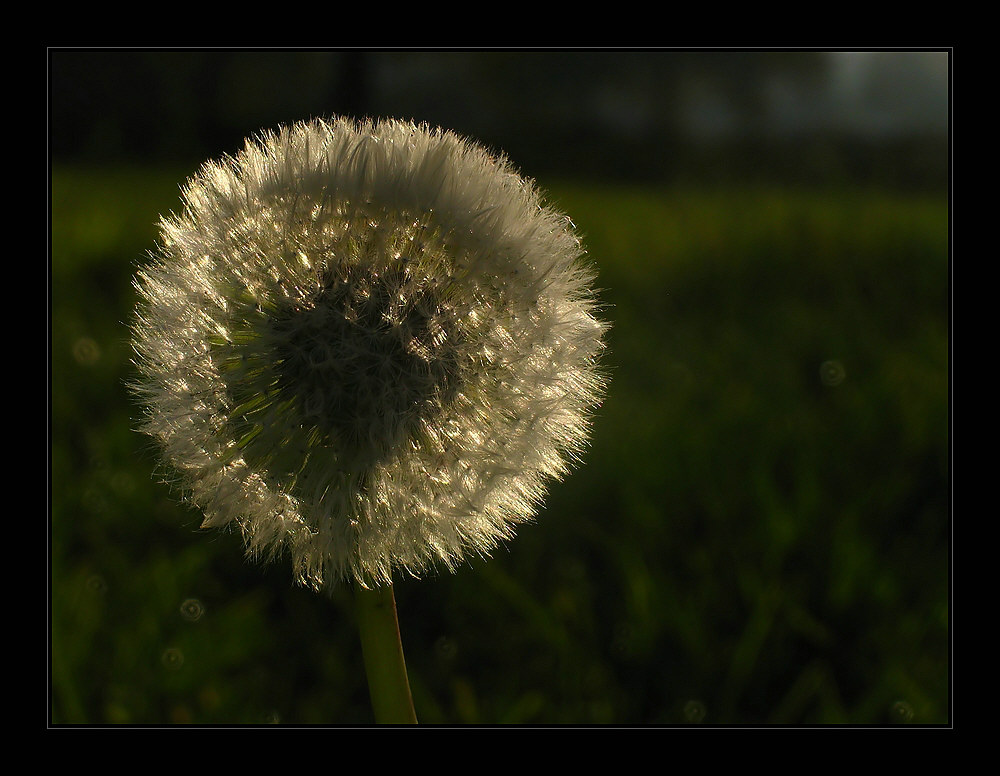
[(368, 343)]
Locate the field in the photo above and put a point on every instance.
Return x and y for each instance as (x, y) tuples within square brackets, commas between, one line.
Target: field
[(759, 533)]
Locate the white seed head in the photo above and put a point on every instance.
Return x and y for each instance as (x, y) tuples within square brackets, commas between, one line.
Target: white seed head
[(369, 344)]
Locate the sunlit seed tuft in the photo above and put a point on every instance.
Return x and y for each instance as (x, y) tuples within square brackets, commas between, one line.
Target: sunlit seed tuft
[(369, 344)]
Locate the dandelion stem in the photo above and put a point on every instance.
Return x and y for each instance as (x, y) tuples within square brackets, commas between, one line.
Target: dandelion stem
[(383, 654)]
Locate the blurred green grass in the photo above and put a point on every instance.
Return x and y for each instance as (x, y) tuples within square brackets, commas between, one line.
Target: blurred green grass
[(758, 534)]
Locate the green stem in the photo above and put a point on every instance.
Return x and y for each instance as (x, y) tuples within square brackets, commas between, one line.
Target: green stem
[(383, 653)]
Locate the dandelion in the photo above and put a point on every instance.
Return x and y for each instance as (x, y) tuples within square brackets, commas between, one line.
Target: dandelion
[(368, 344)]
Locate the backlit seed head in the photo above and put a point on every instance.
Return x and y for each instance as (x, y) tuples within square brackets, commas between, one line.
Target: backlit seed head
[(369, 344)]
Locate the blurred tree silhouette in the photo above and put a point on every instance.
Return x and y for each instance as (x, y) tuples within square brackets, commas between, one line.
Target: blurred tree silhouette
[(168, 105), (581, 114)]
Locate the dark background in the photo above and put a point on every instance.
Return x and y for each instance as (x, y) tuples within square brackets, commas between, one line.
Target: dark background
[(847, 117), (760, 531)]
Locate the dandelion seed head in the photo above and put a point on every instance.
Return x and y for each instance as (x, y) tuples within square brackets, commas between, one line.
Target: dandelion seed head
[(369, 344)]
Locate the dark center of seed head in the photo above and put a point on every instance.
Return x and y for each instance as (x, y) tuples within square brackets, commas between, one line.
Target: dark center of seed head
[(325, 388), (356, 373)]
